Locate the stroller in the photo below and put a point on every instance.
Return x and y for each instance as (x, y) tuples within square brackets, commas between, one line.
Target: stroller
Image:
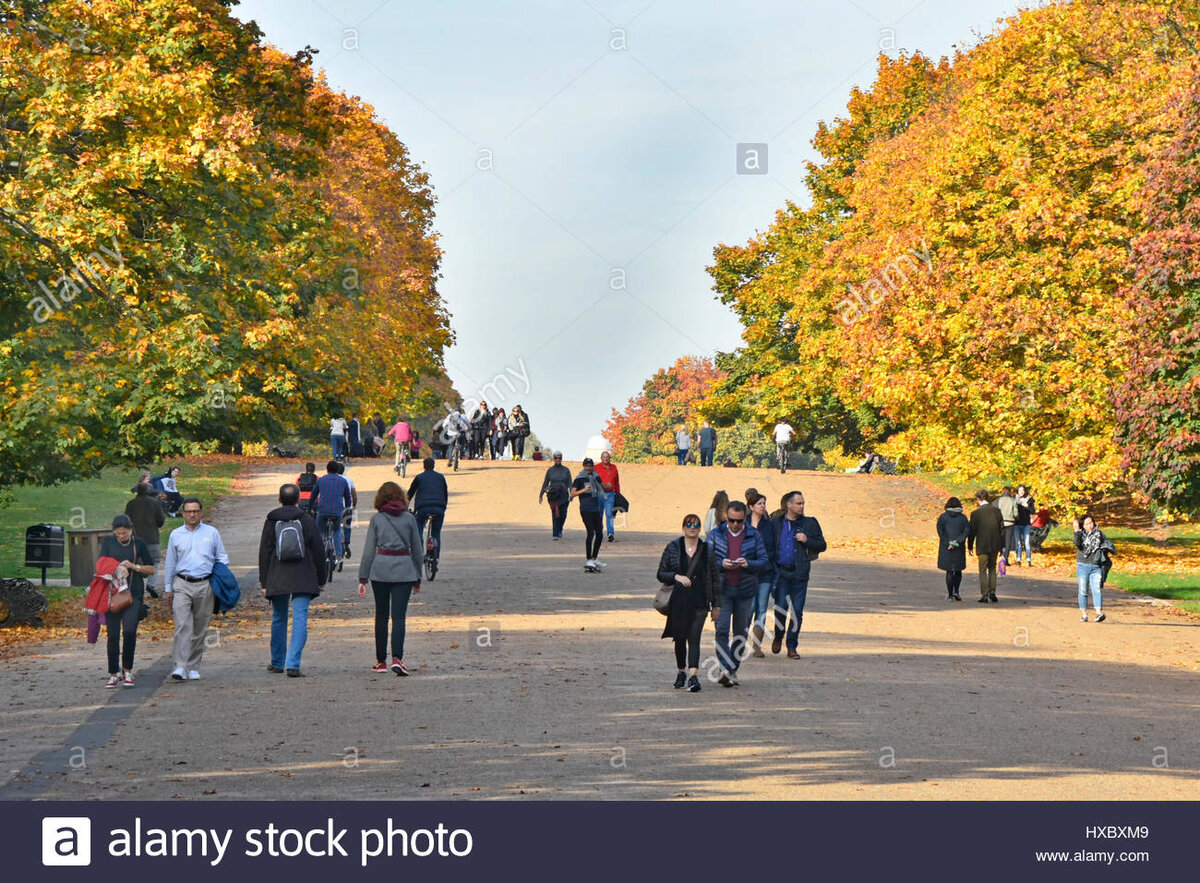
[(877, 464)]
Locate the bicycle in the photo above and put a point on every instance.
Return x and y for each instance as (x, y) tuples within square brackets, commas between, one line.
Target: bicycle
[(405, 456), (781, 452), (431, 559), (329, 524), (456, 453)]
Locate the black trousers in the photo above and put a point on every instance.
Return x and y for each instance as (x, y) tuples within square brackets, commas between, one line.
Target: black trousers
[(518, 446), (558, 517), (594, 522), (127, 622), (687, 650), (953, 581)]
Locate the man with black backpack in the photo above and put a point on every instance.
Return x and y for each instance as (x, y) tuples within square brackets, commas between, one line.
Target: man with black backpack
[(306, 482), (291, 557)]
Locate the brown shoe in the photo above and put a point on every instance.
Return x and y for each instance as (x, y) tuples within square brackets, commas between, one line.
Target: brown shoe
[(756, 639), (792, 654), (777, 644)]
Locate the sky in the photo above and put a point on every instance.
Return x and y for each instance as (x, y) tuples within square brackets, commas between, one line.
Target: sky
[(585, 158)]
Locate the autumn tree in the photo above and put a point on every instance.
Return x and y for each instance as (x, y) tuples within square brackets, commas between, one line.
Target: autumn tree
[(201, 241)]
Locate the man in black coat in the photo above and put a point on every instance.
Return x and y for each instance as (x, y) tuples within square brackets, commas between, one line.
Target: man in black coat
[(146, 513), (798, 541), (291, 566), (986, 538)]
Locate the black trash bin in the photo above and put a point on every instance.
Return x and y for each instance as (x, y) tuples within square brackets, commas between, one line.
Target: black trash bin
[(45, 547)]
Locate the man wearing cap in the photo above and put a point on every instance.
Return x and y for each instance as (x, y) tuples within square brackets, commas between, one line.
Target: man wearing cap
[(556, 487), (192, 550)]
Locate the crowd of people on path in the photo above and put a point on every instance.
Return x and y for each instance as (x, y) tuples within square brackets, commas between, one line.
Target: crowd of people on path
[(1008, 523)]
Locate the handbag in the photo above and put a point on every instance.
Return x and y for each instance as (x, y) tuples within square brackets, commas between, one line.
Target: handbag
[(662, 598), (119, 600)]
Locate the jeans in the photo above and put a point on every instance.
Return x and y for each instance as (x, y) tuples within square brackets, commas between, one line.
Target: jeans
[(117, 623), (706, 456), (337, 444), (610, 498), (1009, 540), (435, 519), (591, 523), (791, 592), (279, 629), (762, 602), (735, 615), (395, 596), (681, 455), (324, 521), (1023, 534), (1089, 575)]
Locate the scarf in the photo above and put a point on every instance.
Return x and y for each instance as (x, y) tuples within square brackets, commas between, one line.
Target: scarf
[(1092, 541), (596, 487)]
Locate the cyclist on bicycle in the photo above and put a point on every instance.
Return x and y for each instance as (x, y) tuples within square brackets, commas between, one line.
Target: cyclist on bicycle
[(401, 433), (454, 433), (427, 499), (783, 433), (330, 498)]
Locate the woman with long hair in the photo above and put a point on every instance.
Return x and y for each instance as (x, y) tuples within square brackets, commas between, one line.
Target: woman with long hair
[(716, 512), (690, 565), (391, 560)]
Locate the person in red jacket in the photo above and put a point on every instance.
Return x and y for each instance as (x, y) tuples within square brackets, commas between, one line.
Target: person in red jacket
[(611, 480)]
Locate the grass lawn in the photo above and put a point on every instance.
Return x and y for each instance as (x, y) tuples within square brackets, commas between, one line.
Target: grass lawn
[(1172, 586), (92, 504)]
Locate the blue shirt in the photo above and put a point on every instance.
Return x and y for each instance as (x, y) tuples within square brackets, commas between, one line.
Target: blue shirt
[(193, 552), (787, 544)]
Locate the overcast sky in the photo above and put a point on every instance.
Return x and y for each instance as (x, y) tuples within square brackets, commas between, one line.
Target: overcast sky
[(584, 156)]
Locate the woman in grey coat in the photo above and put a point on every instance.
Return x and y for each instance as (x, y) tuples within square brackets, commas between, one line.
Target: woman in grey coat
[(391, 560), (952, 530)]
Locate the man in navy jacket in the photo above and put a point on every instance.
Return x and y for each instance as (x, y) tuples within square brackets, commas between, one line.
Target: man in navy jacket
[(740, 554), (799, 542)]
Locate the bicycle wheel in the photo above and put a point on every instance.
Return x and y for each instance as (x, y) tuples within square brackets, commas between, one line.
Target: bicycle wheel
[(403, 467)]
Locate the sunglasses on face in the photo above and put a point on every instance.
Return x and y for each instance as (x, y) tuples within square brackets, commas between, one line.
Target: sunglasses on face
[(692, 524), (736, 520)]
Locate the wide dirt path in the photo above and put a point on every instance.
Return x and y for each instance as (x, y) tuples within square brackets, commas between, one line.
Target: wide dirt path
[(534, 679)]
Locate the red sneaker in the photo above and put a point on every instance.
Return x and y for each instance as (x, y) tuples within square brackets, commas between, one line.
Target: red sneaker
[(378, 666), (398, 666)]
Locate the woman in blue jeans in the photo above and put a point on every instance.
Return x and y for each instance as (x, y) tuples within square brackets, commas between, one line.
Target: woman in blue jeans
[(1091, 545), (391, 560), (766, 577)]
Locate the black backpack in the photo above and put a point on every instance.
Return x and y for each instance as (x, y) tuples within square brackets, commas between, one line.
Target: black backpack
[(289, 540), (307, 481)]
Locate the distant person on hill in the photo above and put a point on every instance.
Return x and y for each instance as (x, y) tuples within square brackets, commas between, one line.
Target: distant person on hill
[(690, 565), (518, 431), (610, 478), (167, 486), (416, 447), (481, 422), (708, 444), (953, 528), (683, 445), (537, 454), (986, 538), (499, 434), (146, 514), (716, 512), (590, 491), (1092, 547)]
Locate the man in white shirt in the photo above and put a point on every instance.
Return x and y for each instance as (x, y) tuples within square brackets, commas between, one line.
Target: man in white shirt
[(192, 550), (783, 433)]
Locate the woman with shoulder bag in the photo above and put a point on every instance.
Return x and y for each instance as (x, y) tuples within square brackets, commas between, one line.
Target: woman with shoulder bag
[(135, 560), (690, 566), (391, 560)]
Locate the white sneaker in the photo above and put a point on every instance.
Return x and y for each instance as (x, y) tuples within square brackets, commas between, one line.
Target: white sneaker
[(193, 675), (178, 674), (599, 565), (1083, 617)]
